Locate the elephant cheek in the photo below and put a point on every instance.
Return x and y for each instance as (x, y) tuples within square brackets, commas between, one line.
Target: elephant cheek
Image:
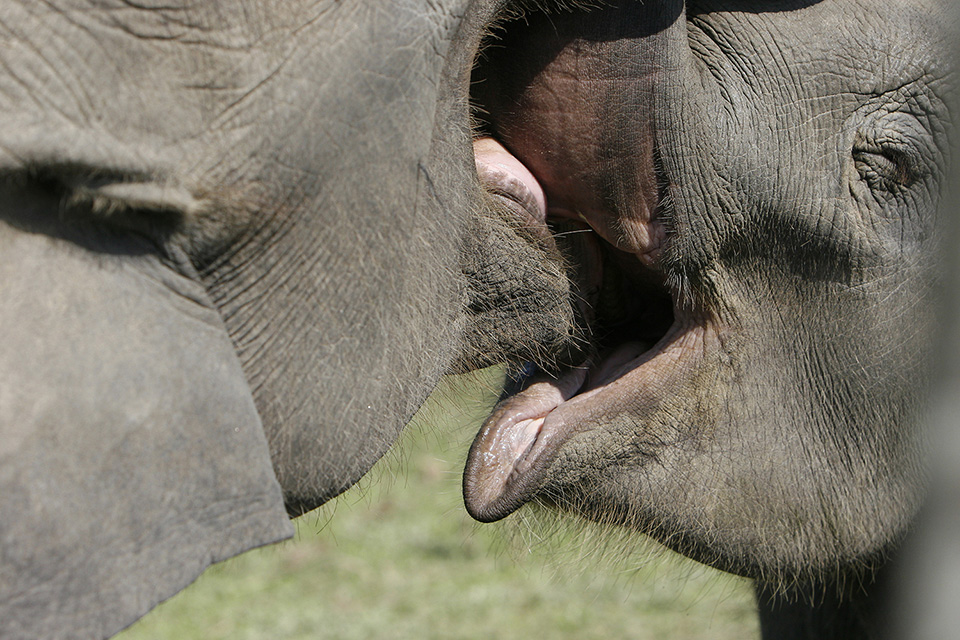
[(131, 455)]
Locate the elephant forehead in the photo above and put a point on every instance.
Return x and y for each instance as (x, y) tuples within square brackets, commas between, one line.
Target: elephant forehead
[(834, 41), (187, 84)]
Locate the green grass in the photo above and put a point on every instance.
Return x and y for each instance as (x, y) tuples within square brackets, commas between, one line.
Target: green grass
[(397, 557)]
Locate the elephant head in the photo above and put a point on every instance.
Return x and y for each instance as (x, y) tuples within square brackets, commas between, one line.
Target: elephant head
[(767, 177), (241, 242)]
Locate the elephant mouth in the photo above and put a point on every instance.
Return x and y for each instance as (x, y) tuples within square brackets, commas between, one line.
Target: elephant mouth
[(606, 208), (642, 344)]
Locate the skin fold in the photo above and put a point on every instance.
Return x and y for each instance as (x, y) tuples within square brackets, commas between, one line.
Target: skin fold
[(240, 242)]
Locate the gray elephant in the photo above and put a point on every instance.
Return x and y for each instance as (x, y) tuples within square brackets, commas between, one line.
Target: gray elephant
[(232, 267), (768, 177), (241, 242)]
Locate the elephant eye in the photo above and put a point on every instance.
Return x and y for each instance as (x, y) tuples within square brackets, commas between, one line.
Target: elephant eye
[(885, 166), (122, 201)]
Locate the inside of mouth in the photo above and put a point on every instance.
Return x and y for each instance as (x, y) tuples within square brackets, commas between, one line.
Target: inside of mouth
[(630, 311), (620, 290), (626, 306)]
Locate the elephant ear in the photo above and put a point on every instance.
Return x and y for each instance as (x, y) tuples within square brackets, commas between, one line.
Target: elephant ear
[(131, 454)]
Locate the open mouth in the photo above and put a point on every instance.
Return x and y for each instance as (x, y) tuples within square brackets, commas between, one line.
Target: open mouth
[(573, 164)]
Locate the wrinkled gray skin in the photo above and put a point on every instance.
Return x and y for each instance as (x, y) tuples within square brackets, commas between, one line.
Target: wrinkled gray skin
[(240, 241), (234, 239), (779, 167)]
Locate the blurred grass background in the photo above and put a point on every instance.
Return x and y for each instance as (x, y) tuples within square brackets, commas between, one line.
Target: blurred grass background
[(397, 557)]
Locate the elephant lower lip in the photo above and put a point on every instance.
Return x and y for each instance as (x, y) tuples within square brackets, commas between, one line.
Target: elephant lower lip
[(636, 339), (519, 442)]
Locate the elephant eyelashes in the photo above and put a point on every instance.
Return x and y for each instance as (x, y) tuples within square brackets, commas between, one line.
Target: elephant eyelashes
[(153, 223), (164, 214), (121, 203)]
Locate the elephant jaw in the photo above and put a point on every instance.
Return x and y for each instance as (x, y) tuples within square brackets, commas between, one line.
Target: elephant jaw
[(511, 456)]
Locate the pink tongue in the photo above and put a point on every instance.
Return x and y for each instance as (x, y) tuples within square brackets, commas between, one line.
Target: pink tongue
[(500, 172)]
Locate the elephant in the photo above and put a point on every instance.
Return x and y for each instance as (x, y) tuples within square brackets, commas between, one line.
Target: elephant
[(768, 178), (243, 240), (241, 243)]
